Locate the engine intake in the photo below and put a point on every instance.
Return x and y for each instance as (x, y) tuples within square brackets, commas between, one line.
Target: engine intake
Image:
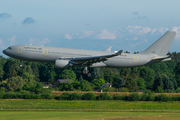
[(61, 64)]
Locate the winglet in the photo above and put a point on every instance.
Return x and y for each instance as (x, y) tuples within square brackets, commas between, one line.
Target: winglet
[(119, 52)]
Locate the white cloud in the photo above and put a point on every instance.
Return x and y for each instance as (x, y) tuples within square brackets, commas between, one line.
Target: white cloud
[(67, 36), (1, 44), (177, 29), (33, 40), (163, 29), (38, 42), (138, 29), (12, 40), (153, 30), (145, 30), (134, 38), (1, 41), (106, 35), (138, 43), (44, 41), (85, 34)]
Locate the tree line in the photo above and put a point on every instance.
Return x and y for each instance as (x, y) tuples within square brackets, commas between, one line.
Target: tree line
[(146, 96), (160, 77)]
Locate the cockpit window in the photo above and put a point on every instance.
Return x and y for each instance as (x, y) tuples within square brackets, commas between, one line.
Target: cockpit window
[(9, 48)]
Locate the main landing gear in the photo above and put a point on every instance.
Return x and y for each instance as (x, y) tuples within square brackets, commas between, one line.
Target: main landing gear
[(86, 71), (20, 63)]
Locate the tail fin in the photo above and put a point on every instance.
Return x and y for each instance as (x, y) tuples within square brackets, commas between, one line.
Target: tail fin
[(162, 45)]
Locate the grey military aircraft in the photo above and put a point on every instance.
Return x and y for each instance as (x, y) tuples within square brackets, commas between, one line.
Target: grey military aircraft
[(66, 57)]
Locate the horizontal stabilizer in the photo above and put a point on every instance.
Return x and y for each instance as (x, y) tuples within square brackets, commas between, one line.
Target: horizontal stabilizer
[(119, 52), (160, 58)]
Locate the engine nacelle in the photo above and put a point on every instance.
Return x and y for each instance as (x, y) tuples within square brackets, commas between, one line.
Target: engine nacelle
[(61, 64)]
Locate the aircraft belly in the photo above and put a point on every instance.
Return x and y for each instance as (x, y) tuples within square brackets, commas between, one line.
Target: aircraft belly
[(120, 62)]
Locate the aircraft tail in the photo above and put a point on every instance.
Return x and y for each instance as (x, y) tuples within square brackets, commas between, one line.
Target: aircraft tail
[(162, 45)]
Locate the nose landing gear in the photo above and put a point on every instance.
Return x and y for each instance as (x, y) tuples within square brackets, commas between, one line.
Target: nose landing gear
[(20, 63)]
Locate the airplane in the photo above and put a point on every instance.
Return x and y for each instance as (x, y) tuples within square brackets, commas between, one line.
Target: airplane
[(66, 57)]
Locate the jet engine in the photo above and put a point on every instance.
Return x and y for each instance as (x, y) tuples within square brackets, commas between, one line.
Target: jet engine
[(61, 64)]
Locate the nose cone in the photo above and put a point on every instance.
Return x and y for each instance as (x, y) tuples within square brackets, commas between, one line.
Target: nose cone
[(4, 51)]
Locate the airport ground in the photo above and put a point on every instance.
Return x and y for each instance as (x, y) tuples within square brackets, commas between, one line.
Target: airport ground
[(87, 110)]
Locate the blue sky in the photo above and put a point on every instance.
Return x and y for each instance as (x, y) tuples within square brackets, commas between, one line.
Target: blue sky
[(131, 25)]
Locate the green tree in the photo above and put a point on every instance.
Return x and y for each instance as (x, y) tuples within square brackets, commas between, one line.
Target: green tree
[(135, 73), (76, 85), (2, 62), (160, 67), (15, 83), (39, 85), (52, 78), (118, 82), (174, 82), (148, 75), (159, 89), (30, 82), (14, 73), (85, 86), (131, 84), (141, 83), (158, 82), (1, 73), (66, 86), (98, 82), (9, 67), (35, 70), (109, 74), (125, 73), (67, 74), (98, 74), (177, 73), (168, 84)]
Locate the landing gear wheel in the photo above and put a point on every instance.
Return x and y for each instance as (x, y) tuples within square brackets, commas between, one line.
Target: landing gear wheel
[(85, 70), (89, 74)]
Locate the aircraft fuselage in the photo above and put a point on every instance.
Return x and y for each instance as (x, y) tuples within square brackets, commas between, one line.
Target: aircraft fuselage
[(51, 54)]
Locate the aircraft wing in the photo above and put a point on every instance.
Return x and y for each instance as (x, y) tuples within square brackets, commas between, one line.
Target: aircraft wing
[(87, 61)]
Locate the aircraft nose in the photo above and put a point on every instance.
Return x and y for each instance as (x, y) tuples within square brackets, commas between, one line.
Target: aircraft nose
[(5, 52)]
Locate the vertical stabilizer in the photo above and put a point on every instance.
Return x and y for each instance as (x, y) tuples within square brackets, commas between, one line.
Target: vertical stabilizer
[(162, 45), (108, 49)]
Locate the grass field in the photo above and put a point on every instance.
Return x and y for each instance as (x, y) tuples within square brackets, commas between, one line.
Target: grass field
[(114, 93), (101, 106), (54, 115), (14, 109)]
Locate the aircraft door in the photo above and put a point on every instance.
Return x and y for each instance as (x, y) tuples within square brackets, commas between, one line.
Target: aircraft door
[(136, 59), (45, 51), (20, 48)]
